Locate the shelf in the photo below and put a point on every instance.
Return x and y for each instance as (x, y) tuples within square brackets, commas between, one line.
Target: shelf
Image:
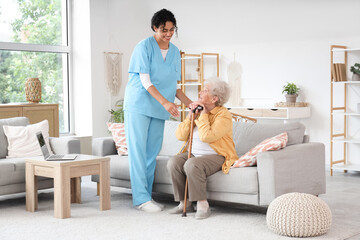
[(186, 109), (194, 86), (346, 82), (346, 113), (342, 53), (346, 140), (190, 84), (354, 167), (346, 50), (205, 56), (188, 58)]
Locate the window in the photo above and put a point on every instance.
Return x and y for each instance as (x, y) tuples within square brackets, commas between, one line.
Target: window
[(34, 43)]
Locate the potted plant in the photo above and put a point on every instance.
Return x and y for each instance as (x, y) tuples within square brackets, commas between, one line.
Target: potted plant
[(291, 91), (356, 72), (117, 116)]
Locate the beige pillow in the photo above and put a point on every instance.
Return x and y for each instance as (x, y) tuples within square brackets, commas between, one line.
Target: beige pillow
[(22, 139)]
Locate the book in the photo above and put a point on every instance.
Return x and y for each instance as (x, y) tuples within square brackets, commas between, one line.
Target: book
[(337, 70), (333, 72), (342, 71)]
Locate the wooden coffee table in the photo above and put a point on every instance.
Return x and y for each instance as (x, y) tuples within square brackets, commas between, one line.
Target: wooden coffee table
[(67, 182)]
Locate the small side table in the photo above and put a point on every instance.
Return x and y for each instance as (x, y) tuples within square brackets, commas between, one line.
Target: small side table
[(67, 184)]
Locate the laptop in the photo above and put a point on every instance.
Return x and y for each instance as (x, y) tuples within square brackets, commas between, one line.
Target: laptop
[(46, 153)]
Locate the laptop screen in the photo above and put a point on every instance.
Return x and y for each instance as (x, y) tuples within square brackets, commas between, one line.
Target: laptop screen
[(43, 146), (41, 139)]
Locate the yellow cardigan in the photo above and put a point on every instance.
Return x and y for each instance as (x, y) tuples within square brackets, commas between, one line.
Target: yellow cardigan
[(215, 128)]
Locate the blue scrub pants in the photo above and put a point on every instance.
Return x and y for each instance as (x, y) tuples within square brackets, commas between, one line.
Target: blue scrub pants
[(144, 136)]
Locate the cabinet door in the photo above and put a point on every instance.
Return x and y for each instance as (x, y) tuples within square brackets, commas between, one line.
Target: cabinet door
[(275, 113), (248, 112), (10, 112), (39, 113)]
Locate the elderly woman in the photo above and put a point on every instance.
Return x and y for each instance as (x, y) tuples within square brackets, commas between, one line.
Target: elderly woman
[(212, 149)]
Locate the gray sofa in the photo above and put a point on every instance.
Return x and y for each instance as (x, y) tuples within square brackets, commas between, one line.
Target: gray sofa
[(12, 170), (299, 167)]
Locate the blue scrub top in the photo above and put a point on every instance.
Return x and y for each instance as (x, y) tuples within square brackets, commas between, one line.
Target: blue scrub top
[(147, 58)]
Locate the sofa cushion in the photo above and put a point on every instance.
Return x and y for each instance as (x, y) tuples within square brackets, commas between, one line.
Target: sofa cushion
[(119, 167), (12, 170), (18, 121), (243, 181), (248, 135), (6, 171), (162, 175), (238, 180), (171, 145)]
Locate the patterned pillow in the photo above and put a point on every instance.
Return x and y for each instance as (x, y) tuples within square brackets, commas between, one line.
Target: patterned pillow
[(274, 143), (118, 132)]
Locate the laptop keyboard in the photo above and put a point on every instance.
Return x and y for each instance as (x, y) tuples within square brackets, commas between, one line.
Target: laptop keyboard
[(56, 156)]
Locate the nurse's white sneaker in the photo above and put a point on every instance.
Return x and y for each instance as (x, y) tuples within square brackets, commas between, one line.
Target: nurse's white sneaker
[(158, 204), (149, 207)]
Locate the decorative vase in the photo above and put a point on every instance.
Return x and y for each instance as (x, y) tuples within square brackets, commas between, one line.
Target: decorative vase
[(33, 90), (355, 77), (291, 98)]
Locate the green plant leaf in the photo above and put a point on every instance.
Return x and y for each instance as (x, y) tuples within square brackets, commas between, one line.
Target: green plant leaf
[(290, 88), (117, 115), (355, 69)]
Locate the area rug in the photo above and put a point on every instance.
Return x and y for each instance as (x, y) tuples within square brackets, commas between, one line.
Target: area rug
[(123, 221)]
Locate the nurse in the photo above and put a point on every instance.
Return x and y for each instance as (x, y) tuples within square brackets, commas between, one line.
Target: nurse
[(154, 69)]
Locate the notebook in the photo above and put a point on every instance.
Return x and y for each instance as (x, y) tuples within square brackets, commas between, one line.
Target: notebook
[(46, 153)]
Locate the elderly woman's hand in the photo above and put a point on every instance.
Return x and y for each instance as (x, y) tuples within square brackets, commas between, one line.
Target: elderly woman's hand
[(195, 104)]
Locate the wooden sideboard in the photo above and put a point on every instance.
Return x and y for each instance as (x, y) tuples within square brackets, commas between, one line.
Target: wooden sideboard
[(35, 112), (282, 113)]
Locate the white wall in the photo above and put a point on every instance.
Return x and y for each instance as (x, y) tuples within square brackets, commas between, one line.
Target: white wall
[(274, 41), (81, 88), (99, 42), (116, 26)]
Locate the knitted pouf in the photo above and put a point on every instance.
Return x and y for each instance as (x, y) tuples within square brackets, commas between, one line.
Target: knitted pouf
[(298, 215)]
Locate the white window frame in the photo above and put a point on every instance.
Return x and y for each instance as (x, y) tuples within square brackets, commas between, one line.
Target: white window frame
[(66, 49)]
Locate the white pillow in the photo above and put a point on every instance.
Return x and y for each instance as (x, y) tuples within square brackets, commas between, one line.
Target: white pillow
[(22, 139)]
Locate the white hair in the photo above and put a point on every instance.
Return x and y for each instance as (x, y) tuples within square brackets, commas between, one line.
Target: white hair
[(220, 89)]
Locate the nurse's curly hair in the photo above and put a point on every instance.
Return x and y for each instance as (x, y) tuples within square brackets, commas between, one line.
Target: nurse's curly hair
[(161, 17), (220, 89)]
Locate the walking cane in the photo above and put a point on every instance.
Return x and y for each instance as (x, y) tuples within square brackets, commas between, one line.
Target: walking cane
[(189, 153)]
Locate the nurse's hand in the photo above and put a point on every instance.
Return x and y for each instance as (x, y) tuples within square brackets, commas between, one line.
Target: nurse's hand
[(171, 108)]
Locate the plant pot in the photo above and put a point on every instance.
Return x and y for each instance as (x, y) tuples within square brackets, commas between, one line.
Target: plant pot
[(355, 77), (291, 98)]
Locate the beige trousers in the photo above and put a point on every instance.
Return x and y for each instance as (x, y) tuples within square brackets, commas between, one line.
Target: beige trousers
[(197, 169)]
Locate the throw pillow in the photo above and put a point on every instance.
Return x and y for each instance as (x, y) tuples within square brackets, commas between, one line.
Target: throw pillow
[(118, 133), (22, 139), (270, 144)]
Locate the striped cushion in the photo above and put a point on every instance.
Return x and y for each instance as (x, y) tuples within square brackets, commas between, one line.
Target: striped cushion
[(118, 132), (274, 143)]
